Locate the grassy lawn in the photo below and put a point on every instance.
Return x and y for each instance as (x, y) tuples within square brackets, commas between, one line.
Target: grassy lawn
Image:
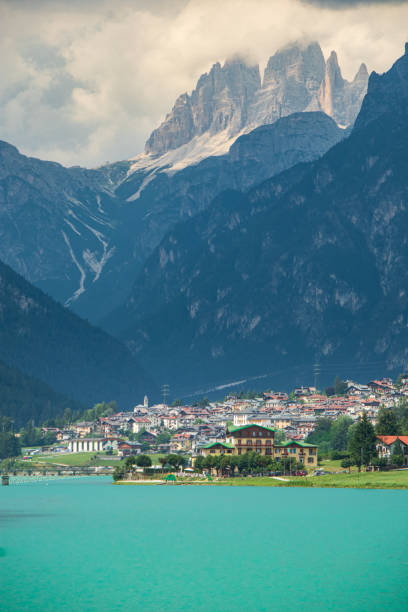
[(365, 480), (81, 460), (73, 460), (331, 465), (369, 480)]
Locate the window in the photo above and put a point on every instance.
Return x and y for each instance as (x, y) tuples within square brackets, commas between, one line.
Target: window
[(268, 451), (254, 433), (310, 459), (212, 451), (268, 442), (258, 450), (249, 442), (239, 451), (239, 442), (277, 451)]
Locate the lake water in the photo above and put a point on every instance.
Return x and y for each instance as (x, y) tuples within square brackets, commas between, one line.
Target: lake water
[(83, 544)]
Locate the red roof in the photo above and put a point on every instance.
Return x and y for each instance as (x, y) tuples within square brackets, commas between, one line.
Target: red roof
[(391, 439), (387, 439)]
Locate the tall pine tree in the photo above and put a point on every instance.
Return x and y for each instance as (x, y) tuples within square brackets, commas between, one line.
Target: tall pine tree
[(362, 445), (387, 424)]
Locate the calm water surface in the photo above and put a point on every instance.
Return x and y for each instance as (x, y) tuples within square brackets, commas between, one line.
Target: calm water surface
[(83, 544)]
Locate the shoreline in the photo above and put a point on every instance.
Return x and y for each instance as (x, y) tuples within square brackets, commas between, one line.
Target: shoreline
[(386, 481)]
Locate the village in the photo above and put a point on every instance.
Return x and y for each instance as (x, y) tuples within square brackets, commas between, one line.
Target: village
[(208, 426)]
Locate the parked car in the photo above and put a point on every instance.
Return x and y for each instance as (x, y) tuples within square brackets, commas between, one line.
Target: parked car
[(301, 473)]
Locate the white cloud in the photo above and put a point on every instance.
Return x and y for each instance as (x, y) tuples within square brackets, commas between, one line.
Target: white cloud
[(86, 82)]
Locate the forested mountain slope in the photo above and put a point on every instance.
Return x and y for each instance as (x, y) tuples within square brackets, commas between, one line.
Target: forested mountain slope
[(312, 264), (47, 341)]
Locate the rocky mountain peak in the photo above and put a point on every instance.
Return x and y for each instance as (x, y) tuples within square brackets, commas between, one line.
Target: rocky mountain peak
[(340, 98), (362, 74), (219, 101), (295, 61), (333, 71), (231, 99), (386, 93)]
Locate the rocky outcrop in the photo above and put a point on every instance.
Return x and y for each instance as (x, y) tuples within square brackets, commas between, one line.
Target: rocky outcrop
[(219, 102), (339, 98), (291, 83), (232, 99)]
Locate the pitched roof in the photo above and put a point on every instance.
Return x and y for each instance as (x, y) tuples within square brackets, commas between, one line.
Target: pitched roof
[(223, 444), (391, 439), (297, 442), (387, 439), (233, 429)]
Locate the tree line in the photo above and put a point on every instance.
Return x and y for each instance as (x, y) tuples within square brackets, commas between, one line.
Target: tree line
[(169, 462), (248, 463), (355, 442)]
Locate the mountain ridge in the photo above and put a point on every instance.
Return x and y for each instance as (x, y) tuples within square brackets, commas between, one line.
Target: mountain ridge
[(232, 98), (310, 263), (50, 343)]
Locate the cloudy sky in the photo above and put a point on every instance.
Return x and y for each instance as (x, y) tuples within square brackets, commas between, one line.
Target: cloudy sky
[(85, 81)]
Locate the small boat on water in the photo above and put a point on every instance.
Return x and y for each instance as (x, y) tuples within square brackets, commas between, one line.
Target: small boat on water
[(5, 480)]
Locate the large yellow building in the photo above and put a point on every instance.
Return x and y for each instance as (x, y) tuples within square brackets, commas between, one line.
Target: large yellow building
[(258, 438), (251, 437)]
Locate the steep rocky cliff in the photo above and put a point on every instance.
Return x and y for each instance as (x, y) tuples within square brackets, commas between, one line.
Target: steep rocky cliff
[(219, 102), (310, 264), (56, 223), (339, 98), (231, 99)]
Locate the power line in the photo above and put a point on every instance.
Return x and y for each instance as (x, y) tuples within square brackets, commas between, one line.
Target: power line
[(165, 393), (316, 371)]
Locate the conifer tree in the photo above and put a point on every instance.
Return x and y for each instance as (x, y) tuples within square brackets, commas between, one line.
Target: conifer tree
[(387, 424), (362, 445)]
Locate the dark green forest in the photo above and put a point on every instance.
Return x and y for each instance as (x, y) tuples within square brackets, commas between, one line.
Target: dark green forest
[(23, 398), (47, 342)]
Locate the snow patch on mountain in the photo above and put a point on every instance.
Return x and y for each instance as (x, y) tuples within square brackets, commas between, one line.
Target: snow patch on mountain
[(82, 274), (232, 100)]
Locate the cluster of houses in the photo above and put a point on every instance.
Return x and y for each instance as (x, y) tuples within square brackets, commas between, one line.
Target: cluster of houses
[(193, 428)]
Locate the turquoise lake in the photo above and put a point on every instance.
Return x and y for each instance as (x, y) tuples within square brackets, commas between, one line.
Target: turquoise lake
[(83, 544)]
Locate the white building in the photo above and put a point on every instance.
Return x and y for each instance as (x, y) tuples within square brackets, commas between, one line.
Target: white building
[(84, 445)]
